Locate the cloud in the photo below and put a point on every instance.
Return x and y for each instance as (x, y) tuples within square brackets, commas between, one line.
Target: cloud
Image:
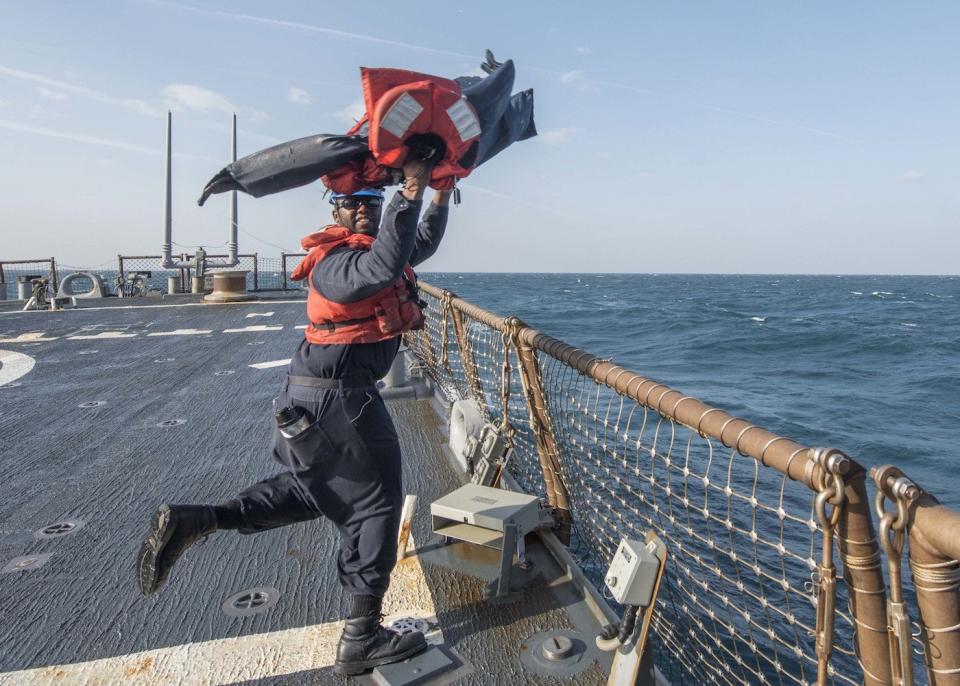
[(352, 113), (131, 104), (556, 136), (575, 76), (298, 96), (83, 138), (311, 28), (913, 175), (181, 97), (51, 95), (583, 51)]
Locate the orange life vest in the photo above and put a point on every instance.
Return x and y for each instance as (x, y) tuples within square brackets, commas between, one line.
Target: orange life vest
[(384, 315), (401, 103)]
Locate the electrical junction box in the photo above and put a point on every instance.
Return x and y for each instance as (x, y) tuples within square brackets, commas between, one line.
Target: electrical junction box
[(480, 514), (633, 572)]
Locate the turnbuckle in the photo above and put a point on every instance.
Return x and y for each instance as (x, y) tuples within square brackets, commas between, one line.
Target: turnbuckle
[(894, 486), (833, 465)]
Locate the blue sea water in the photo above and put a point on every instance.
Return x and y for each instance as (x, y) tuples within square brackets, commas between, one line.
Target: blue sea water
[(866, 364)]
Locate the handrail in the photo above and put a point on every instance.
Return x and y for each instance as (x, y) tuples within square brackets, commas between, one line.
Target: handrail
[(934, 530)]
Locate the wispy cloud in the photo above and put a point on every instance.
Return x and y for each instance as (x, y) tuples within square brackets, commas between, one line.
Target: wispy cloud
[(352, 113), (583, 50), (244, 135), (298, 96), (132, 104), (51, 95), (309, 28), (91, 140), (575, 77), (285, 78), (188, 97), (556, 136), (913, 175), (469, 186)]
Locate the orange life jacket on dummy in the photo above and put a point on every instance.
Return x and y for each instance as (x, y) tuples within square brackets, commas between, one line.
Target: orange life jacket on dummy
[(388, 313), (402, 103)]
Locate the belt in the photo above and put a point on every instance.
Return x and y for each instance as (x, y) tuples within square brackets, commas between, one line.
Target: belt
[(345, 382)]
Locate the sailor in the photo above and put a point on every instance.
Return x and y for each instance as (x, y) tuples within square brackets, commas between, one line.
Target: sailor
[(334, 435)]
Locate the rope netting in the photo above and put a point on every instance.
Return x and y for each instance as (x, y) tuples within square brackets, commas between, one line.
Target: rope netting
[(739, 599)]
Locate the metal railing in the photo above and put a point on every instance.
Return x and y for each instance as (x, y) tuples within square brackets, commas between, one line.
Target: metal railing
[(289, 262), (159, 276), (11, 269), (776, 574), (264, 273)]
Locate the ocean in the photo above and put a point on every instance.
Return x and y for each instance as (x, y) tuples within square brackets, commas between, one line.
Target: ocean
[(866, 364)]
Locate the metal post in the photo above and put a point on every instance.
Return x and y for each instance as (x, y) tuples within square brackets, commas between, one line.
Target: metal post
[(283, 270), (547, 450), (406, 523), (168, 194), (863, 575), (934, 550), (510, 537), (255, 283), (53, 274)]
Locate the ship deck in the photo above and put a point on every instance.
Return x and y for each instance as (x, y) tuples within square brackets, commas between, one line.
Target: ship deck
[(89, 436)]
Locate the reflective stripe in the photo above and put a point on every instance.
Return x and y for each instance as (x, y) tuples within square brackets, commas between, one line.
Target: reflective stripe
[(401, 115), (465, 119)]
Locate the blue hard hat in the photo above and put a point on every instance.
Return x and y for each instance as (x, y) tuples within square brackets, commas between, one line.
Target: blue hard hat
[(370, 192)]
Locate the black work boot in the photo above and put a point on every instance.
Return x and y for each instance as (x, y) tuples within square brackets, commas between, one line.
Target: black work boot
[(365, 644), (174, 529)]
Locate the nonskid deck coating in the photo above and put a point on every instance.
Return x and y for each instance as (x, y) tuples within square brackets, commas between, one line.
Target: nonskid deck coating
[(112, 464)]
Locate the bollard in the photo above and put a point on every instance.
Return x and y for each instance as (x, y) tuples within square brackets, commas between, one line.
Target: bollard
[(229, 287)]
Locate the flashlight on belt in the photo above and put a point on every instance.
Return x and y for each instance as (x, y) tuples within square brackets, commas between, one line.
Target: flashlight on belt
[(293, 421)]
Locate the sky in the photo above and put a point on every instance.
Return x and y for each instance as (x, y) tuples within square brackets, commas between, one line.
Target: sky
[(718, 137)]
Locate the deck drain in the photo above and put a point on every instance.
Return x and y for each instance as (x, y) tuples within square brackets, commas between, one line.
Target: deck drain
[(255, 343), (253, 601), (26, 563), (164, 359), (172, 422), (225, 372), (92, 403), (405, 625), (88, 352), (59, 529)]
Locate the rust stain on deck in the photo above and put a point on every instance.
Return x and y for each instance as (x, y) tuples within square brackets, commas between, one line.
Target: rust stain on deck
[(139, 668)]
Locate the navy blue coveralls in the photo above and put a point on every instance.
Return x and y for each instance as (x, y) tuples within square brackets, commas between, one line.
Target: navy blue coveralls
[(346, 467)]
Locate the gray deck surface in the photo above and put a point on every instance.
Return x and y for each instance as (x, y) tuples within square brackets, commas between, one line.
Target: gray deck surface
[(111, 466)]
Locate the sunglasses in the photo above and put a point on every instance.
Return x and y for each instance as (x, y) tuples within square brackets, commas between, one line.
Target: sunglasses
[(354, 201)]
